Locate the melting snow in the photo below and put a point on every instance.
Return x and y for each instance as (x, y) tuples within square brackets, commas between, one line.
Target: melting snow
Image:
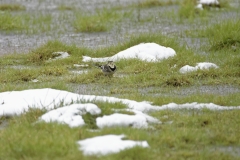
[(201, 66), (108, 144), (144, 51), (208, 2), (117, 119), (17, 102), (71, 115)]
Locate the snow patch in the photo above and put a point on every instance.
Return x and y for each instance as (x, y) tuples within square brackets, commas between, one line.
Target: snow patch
[(150, 52), (139, 120), (195, 105), (117, 120), (208, 2), (103, 145), (70, 115), (201, 66), (17, 102)]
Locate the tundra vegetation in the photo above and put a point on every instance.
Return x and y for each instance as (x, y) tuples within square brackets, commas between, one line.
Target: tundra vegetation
[(207, 36)]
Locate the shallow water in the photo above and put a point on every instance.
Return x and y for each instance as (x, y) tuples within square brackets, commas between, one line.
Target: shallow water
[(114, 90)]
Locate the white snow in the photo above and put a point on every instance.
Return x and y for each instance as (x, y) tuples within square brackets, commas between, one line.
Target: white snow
[(195, 105), (108, 144), (201, 66), (208, 2), (71, 115), (139, 120), (199, 6), (118, 119), (150, 52), (17, 102)]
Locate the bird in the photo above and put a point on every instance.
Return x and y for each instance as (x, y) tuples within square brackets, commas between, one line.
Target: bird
[(108, 69)]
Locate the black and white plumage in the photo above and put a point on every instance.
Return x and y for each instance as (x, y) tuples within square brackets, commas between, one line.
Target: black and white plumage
[(109, 68)]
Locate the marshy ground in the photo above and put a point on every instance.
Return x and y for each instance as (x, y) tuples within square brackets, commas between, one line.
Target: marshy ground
[(30, 31)]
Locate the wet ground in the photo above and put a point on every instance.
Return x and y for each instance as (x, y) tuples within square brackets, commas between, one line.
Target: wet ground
[(23, 43), (157, 19), (162, 19), (112, 90), (145, 20)]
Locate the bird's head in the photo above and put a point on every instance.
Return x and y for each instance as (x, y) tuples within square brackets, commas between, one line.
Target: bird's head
[(111, 64)]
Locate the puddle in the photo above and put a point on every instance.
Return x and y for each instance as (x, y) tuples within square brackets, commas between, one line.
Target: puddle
[(113, 90), (187, 91), (232, 150), (78, 72)]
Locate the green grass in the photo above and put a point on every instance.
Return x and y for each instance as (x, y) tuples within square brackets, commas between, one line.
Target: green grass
[(65, 8), (184, 134), (224, 35), (101, 21), (188, 11), (10, 22), (145, 74), (192, 134), (11, 7), (155, 3), (24, 23)]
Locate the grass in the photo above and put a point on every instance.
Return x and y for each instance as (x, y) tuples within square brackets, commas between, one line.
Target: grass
[(224, 35), (145, 74), (10, 22), (154, 3), (101, 21), (188, 11), (65, 7), (24, 23), (12, 7), (183, 134), (193, 134)]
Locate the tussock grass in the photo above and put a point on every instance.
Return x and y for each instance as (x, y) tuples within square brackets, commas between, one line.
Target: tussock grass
[(9, 22), (65, 8), (11, 7), (187, 10), (44, 53), (101, 21), (145, 74), (154, 3), (17, 75), (25, 23), (224, 35)]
